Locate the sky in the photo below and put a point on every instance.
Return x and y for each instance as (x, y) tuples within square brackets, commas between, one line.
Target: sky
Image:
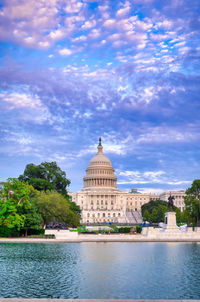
[(72, 71)]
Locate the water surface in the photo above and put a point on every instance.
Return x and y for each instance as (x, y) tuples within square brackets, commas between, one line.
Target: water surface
[(100, 270)]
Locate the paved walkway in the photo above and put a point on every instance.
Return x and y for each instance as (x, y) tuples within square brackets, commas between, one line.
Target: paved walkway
[(96, 238)]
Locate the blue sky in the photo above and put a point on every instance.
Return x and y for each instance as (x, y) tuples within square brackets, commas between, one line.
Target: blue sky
[(128, 71)]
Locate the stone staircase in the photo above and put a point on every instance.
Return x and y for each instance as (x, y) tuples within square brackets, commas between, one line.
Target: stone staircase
[(133, 217)]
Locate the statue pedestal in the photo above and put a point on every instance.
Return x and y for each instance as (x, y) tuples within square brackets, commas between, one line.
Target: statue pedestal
[(170, 221)]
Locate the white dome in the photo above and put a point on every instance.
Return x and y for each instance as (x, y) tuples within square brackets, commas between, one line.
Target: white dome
[(100, 159), (100, 173)]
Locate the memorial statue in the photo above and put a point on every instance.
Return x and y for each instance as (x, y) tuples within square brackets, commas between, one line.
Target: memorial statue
[(170, 203)]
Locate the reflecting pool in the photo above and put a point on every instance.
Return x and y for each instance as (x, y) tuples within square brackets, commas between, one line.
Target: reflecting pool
[(100, 270)]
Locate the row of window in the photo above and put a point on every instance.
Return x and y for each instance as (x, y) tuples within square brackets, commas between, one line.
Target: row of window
[(135, 203), (103, 215), (104, 208), (100, 172), (179, 202), (141, 198), (102, 202), (102, 196), (100, 162)]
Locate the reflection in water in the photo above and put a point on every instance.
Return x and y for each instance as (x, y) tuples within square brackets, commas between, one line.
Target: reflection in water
[(100, 270)]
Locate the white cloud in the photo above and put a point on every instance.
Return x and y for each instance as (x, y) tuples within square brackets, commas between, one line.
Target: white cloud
[(80, 39), (20, 100), (110, 23), (57, 34), (123, 11), (89, 24), (44, 44), (103, 7), (148, 177), (73, 6), (30, 107), (94, 34), (167, 135), (65, 52), (151, 190), (110, 144)]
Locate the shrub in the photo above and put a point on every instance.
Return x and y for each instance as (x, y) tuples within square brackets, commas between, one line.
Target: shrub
[(36, 231), (50, 236), (9, 232), (125, 230), (81, 229), (138, 228)]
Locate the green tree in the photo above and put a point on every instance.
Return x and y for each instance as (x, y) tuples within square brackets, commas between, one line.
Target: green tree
[(146, 215), (46, 177), (186, 217), (178, 215), (33, 219), (15, 198), (54, 206), (154, 215), (161, 213), (153, 204), (156, 210), (192, 201)]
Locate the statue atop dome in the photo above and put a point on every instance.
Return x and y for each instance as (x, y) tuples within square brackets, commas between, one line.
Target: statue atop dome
[(100, 147)]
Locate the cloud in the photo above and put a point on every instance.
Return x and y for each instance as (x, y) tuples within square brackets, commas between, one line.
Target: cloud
[(110, 23), (166, 135), (89, 24), (65, 52), (128, 72), (57, 34), (148, 177), (94, 34), (17, 100), (122, 12), (73, 6), (29, 107)]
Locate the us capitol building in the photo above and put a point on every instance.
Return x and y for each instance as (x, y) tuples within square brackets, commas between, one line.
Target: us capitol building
[(101, 201)]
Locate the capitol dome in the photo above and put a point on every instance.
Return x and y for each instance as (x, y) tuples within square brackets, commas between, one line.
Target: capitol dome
[(100, 173), (100, 159)]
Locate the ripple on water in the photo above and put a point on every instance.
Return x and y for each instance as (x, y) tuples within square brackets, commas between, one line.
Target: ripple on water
[(100, 270)]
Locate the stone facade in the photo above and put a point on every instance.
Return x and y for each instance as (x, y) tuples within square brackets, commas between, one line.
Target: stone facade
[(101, 201)]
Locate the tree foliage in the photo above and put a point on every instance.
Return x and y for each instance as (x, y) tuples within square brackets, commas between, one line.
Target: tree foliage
[(15, 199), (54, 206), (192, 202), (33, 219), (154, 211), (46, 177), (49, 177)]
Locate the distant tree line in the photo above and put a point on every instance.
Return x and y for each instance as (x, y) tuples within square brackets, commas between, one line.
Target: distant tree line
[(34, 199), (154, 211)]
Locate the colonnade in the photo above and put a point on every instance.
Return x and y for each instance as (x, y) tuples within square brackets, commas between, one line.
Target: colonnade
[(105, 182)]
